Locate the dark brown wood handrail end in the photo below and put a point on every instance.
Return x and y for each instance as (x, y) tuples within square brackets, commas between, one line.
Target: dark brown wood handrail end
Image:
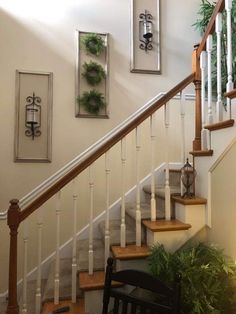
[(13, 221)]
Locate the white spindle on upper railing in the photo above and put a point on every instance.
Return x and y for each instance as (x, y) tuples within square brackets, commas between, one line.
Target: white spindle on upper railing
[(123, 226), (229, 86), (91, 188), (167, 172), (25, 266), (74, 242), (38, 295), (107, 224), (209, 79), (57, 260), (153, 142), (203, 66), (138, 210), (219, 108), (182, 118)]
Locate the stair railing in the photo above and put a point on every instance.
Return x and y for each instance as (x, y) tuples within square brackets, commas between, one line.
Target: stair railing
[(16, 216), (214, 115)]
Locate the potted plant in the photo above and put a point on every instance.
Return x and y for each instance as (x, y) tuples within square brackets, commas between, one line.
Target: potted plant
[(207, 277)]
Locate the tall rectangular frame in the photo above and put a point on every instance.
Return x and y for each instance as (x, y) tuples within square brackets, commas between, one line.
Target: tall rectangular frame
[(157, 39), (78, 114), (46, 155)]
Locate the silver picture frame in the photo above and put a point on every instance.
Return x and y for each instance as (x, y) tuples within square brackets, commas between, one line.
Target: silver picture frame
[(79, 113), (141, 61), (40, 148)]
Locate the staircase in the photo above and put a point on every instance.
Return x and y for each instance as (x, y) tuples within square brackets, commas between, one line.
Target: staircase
[(155, 211), (89, 287)]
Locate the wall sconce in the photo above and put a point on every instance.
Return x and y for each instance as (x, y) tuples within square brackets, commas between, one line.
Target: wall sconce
[(145, 31), (188, 174), (33, 116)]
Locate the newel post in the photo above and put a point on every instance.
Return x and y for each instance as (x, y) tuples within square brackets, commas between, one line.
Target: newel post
[(13, 221), (198, 111)]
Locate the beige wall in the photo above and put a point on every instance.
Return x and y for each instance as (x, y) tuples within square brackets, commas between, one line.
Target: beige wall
[(36, 36), (223, 230)]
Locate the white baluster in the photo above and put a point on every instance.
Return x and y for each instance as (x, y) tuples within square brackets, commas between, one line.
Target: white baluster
[(138, 210), (167, 183), (90, 252), (74, 242), (203, 66), (57, 261), (25, 266), (123, 226), (229, 86), (153, 142), (209, 80), (182, 117), (38, 295), (107, 221), (219, 111)]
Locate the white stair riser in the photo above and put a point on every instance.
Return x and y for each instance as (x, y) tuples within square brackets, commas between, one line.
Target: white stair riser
[(93, 301), (194, 215), (172, 240), (140, 264)]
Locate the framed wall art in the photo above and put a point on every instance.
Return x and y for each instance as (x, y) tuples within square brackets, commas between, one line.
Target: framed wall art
[(33, 125), (92, 75), (145, 37)]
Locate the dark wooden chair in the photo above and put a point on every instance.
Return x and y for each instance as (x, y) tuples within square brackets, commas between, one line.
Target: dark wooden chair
[(149, 294)]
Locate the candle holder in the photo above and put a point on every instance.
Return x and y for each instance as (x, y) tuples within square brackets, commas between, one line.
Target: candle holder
[(188, 174), (145, 31), (33, 116)]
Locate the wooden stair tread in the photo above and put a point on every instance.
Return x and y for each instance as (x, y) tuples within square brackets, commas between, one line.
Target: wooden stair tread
[(201, 153), (166, 225), (189, 201), (220, 125), (130, 252), (75, 308), (94, 282), (231, 94)]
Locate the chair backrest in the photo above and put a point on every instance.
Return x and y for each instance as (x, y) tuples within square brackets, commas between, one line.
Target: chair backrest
[(149, 294)]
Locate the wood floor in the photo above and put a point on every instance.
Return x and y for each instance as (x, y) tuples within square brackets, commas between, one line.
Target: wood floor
[(77, 308)]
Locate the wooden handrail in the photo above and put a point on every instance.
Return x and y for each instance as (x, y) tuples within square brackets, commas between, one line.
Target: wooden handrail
[(105, 147), (220, 5)]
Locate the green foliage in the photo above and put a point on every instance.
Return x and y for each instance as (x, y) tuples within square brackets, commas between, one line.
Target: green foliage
[(92, 101), (205, 13), (207, 276), (93, 43), (93, 73)]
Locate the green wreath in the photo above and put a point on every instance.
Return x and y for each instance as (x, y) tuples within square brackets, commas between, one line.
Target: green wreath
[(92, 101), (93, 73), (93, 43)]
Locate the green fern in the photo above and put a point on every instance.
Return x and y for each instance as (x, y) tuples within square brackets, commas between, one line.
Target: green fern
[(206, 277)]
